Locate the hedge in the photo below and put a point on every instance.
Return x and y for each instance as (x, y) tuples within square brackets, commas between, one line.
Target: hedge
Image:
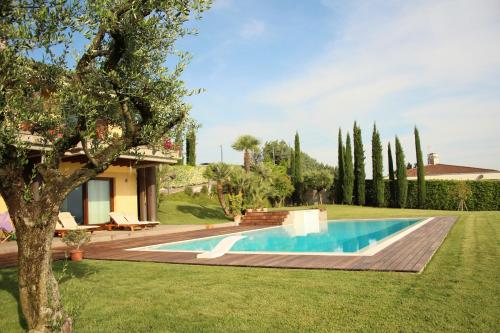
[(441, 194)]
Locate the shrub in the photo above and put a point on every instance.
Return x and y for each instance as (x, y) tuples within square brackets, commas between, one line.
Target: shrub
[(188, 190), (76, 238), (213, 189), (235, 203), (443, 195), (204, 190)]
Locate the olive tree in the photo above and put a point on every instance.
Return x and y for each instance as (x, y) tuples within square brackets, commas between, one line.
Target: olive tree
[(318, 180), (62, 95)]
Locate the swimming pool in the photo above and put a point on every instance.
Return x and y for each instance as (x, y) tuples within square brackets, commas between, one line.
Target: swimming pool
[(339, 237)]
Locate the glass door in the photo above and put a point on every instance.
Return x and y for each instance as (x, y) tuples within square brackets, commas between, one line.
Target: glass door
[(74, 204), (98, 200)]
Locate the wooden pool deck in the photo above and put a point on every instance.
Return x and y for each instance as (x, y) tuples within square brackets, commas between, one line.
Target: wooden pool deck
[(409, 254)]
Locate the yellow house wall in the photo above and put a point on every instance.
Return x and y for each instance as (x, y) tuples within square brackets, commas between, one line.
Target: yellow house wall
[(124, 182), (125, 187), (3, 206)]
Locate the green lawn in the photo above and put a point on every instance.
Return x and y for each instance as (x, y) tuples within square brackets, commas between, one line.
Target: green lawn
[(180, 208), (459, 291)]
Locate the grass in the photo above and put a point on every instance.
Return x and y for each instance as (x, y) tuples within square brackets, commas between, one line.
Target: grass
[(180, 208), (458, 292)]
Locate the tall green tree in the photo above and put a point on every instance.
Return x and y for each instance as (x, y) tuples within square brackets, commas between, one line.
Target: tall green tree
[(420, 171), (377, 167), (359, 167), (291, 167), (392, 182), (318, 181), (347, 186), (277, 152), (179, 143), (402, 183), (191, 147), (340, 179), (62, 98), (246, 144), (299, 176)]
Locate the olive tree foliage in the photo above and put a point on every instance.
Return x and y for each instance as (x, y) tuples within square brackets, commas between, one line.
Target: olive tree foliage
[(62, 94)]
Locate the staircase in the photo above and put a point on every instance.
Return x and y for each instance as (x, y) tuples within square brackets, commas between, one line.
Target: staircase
[(264, 218)]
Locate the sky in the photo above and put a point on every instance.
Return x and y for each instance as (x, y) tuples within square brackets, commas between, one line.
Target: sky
[(273, 67)]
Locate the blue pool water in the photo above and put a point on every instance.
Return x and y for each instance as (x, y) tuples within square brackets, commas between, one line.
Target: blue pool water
[(333, 236)]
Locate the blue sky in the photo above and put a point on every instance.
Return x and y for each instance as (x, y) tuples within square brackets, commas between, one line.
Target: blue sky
[(271, 68)]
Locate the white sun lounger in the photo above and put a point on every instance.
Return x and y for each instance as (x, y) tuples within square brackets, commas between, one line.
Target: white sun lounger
[(119, 221), (67, 222), (133, 219)]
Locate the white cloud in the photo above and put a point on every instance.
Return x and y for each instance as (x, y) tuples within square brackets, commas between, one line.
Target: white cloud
[(434, 64), (252, 29), (222, 4)]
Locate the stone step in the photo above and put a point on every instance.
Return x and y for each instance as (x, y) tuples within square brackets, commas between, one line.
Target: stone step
[(253, 223), (264, 218)]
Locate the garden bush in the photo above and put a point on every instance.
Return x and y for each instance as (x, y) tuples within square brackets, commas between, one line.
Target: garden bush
[(204, 190), (442, 194), (188, 190)]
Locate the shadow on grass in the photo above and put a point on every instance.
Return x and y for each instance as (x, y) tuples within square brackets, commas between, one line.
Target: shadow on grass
[(63, 271), (202, 212)]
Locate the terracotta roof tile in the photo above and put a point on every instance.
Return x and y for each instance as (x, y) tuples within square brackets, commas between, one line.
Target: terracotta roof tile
[(445, 169)]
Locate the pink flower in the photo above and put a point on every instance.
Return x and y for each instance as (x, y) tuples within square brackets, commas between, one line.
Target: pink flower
[(168, 144)]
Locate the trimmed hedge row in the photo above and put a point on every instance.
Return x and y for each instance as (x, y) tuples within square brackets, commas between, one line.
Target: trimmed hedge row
[(441, 194)]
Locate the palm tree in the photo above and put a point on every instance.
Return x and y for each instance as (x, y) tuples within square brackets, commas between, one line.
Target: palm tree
[(219, 172), (246, 143)]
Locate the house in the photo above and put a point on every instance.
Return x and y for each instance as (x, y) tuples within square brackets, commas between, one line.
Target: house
[(436, 170), (128, 185)]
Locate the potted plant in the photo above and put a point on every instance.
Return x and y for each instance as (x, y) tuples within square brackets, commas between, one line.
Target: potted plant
[(76, 239), (236, 206)]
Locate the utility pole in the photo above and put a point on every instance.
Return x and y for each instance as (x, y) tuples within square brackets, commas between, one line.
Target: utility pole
[(221, 154)]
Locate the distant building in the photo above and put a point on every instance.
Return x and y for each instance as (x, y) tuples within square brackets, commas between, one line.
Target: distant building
[(436, 170)]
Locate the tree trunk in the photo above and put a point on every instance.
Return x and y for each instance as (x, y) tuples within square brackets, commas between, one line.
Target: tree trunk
[(246, 160), (38, 289), (222, 201)]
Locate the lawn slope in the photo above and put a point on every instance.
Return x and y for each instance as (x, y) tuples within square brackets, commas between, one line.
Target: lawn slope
[(180, 208), (458, 292)]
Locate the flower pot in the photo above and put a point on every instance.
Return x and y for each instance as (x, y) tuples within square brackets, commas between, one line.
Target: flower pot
[(76, 255)]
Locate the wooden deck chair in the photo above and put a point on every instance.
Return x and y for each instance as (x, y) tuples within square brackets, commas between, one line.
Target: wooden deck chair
[(7, 230), (120, 222), (131, 218), (67, 222)]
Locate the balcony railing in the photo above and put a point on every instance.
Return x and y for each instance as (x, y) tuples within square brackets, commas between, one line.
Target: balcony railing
[(142, 153)]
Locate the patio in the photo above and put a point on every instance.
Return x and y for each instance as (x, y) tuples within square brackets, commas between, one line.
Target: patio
[(409, 254)]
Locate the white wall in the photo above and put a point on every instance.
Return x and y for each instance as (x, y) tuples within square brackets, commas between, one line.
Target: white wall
[(463, 176)]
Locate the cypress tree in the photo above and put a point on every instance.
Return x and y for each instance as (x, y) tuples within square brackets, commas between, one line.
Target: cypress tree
[(378, 177), (420, 171), (347, 186), (359, 167), (392, 183), (299, 177), (179, 142), (340, 178), (402, 183), (291, 170), (191, 148)]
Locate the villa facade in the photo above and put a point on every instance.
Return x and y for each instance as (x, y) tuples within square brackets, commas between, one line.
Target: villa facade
[(128, 186)]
